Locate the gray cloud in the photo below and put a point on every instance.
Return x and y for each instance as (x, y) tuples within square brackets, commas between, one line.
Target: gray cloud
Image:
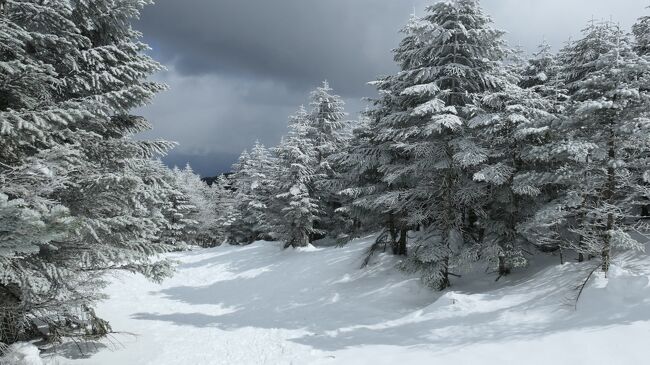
[(296, 41), (529, 21), (238, 68)]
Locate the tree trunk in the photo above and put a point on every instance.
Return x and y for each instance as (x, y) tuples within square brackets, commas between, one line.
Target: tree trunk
[(444, 283), (401, 245), (503, 267), (582, 216), (609, 195), (393, 234), (607, 247)]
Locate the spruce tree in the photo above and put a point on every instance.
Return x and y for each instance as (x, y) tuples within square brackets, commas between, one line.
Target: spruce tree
[(513, 127), (325, 131), (542, 75), (447, 61), (641, 32), (295, 210), (606, 80), (225, 203), (34, 163), (251, 179), (203, 200), (71, 73)]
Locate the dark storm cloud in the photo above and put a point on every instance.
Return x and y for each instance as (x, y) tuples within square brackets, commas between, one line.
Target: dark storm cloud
[(238, 68), (296, 41)]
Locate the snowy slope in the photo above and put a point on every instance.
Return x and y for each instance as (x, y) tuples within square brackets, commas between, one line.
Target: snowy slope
[(261, 305)]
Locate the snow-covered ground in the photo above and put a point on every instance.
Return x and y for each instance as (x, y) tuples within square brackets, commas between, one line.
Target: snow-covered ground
[(262, 305)]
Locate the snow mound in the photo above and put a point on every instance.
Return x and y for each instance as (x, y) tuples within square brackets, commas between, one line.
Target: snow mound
[(22, 354), (260, 304)]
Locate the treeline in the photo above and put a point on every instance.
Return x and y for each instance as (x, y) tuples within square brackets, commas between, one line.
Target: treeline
[(472, 153)]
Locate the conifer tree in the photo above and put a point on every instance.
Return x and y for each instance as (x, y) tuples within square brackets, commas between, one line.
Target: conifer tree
[(296, 211), (447, 61), (606, 80), (239, 228), (641, 32), (513, 127), (225, 204), (34, 162), (71, 73), (203, 199), (251, 182), (326, 132)]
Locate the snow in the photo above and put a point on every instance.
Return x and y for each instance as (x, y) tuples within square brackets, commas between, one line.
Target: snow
[(260, 304), (22, 354)]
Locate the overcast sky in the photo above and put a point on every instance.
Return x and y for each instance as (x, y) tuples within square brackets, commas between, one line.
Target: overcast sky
[(238, 68)]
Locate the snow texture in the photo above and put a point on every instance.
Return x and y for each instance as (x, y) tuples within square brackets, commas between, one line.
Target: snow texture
[(260, 305), (22, 354)]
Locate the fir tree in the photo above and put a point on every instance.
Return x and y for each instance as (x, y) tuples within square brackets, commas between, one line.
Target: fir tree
[(204, 213), (296, 210), (447, 60), (71, 73), (543, 75), (513, 128), (325, 131), (251, 182), (225, 204), (34, 163), (641, 32), (606, 79)]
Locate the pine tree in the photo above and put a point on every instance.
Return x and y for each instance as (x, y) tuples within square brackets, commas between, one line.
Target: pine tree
[(34, 162), (325, 122), (605, 77), (239, 229), (71, 73), (261, 172), (641, 32), (542, 75), (326, 132), (203, 201), (514, 127), (225, 204), (447, 60), (296, 211), (350, 181), (181, 226), (251, 179)]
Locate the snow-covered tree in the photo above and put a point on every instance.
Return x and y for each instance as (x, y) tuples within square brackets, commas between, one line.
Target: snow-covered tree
[(607, 81), (352, 180), (543, 75), (203, 200), (295, 209), (33, 161), (225, 203), (71, 71), (513, 128), (325, 123), (251, 179), (641, 31), (238, 228), (447, 61), (326, 132), (180, 212)]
